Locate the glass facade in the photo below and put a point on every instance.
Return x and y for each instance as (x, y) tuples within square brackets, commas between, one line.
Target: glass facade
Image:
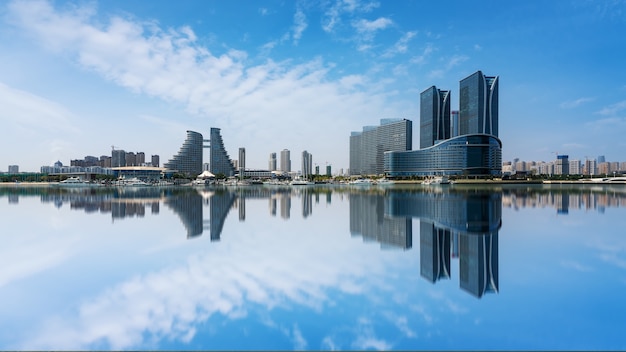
[(189, 158), (434, 116), (478, 104), (467, 155), (219, 161), (367, 148)]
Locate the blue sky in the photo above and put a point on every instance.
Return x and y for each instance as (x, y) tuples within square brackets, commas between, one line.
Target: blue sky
[(79, 77)]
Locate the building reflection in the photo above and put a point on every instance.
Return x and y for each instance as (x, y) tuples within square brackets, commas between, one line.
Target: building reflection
[(452, 224), (456, 224)]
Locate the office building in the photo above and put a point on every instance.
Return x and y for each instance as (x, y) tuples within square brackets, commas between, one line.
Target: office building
[(454, 123), (476, 151), (155, 161), (118, 158), (272, 162), (434, 116), (141, 158), (219, 161), (285, 161), (14, 169), (561, 167), (478, 105), (131, 159), (188, 161), (307, 164), (367, 148)]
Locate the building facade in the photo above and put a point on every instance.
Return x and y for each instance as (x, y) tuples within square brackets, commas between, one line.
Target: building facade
[(118, 158), (478, 104), (367, 148), (188, 161), (242, 160), (434, 116), (477, 155), (219, 161), (272, 162), (285, 161), (307, 164)]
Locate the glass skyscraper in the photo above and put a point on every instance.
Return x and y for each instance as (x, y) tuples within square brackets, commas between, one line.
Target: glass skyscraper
[(307, 164), (219, 161), (367, 148), (434, 116), (478, 104), (189, 158)]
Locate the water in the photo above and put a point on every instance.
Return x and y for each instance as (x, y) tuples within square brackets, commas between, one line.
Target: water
[(458, 267)]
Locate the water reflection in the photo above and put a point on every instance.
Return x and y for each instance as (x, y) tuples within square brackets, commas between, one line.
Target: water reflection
[(190, 282), (457, 222)]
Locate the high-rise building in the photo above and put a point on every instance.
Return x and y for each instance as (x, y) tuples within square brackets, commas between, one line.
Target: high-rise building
[(285, 160), (242, 161), (561, 167), (189, 158), (367, 148), (434, 116), (476, 150), (478, 104), (141, 158), (131, 159), (454, 123), (155, 161), (118, 158), (272, 162), (307, 164), (14, 169), (574, 167), (220, 162)]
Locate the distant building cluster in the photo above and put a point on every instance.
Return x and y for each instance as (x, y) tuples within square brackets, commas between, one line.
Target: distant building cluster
[(564, 166)]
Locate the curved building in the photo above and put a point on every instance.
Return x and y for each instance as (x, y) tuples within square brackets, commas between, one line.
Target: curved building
[(189, 158), (466, 155), (219, 161)]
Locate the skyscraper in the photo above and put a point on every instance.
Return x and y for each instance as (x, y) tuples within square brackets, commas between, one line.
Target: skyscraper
[(478, 104), (434, 116), (118, 158), (219, 161), (242, 161), (307, 164), (285, 160), (272, 162), (189, 158)]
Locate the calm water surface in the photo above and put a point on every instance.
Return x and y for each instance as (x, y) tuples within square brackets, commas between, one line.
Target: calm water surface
[(459, 267)]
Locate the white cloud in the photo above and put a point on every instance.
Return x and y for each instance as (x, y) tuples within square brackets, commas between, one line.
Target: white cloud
[(170, 65), (613, 108), (575, 103), (299, 25), (426, 53), (401, 46), (338, 8), (365, 26)]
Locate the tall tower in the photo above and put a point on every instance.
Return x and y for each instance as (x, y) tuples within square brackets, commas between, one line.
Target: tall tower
[(434, 116), (285, 160), (272, 162), (478, 104), (242, 161), (307, 164)]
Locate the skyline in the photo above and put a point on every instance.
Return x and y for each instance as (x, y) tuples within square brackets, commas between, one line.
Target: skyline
[(79, 77)]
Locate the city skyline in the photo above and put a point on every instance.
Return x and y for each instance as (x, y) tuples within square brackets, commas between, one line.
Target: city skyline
[(78, 77)]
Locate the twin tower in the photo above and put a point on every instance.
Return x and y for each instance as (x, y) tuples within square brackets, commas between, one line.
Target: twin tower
[(478, 110)]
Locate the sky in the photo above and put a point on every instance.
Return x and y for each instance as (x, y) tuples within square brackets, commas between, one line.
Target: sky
[(80, 77)]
